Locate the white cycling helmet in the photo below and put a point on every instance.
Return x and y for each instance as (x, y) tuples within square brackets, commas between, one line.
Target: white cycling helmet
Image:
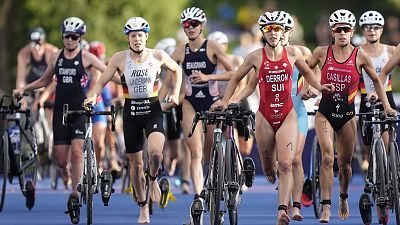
[(276, 17), (219, 37), (166, 44), (289, 21), (342, 16), (371, 17), (193, 13), (136, 24), (36, 34), (74, 25)]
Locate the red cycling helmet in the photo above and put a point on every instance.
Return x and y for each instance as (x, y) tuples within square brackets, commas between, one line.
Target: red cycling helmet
[(98, 49)]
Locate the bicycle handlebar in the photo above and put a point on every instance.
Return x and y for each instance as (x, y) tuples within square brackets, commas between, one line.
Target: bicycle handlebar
[(232, 114), (89, 112), (388, 120), (15, 106)]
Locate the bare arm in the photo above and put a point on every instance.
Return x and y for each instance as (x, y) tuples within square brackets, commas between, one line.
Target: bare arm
[(108, 73), (305, 70), (247, 90), (242, 71), (176, 77), (390, 65), (43, 80), (46, 93), (221, 57), (22, 63)]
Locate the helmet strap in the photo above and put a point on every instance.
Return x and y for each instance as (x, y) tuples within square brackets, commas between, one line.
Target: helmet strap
[(137, 52)]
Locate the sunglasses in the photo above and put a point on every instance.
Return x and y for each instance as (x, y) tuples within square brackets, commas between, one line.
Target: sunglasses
[(371, 28), (340, 29), (269, 28), (193, 23), (71, 36)]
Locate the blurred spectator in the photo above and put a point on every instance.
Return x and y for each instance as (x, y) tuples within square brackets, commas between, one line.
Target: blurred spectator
[(245, 44), (391, 31), (297, 37), (323, 32)]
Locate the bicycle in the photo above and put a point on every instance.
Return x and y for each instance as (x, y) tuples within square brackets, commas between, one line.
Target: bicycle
[(17, 152), (89, 180), (376, 179), (383, 175), (223, 180)]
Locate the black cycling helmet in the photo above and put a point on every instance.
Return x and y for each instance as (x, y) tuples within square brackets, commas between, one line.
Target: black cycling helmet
[(36, 34)]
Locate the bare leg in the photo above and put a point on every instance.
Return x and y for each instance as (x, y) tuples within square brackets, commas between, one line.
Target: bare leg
[(138, 182), (266, 148), (155, 145), (325, 137), (345, 148), (298, 178), (195, 145)]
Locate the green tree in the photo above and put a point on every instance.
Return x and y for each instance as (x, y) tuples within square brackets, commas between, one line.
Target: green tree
[(104, 19)]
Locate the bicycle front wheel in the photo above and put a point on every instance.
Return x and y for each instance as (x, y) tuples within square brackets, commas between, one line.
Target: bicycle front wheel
[(28, 158), (381, 179), (394, 169), (28, 162), (316, 189), (231, 174), (4, 164), (90, 179), (216, 185)]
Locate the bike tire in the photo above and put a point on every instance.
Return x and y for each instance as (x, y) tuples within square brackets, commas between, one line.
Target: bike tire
[(4, 167), (216, 185), (381, 177), (231, 175), (29, 165), (394, 163), (89, 178), (316, 189)]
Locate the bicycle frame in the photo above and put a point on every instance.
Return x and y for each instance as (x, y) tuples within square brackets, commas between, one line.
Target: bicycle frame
[(89, 180), (377, 155), (223, 174), (26, 159)]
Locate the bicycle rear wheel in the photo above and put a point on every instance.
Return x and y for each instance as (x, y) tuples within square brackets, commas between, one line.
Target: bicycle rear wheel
[(394, 164), (316, 189), (4, 164), (216, 185)]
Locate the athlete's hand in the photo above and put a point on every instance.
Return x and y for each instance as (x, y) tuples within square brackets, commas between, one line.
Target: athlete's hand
[(389, 112), (18, 93), (327, 88), (198, 77), (372, 95), (90, 101), (220, 103)]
